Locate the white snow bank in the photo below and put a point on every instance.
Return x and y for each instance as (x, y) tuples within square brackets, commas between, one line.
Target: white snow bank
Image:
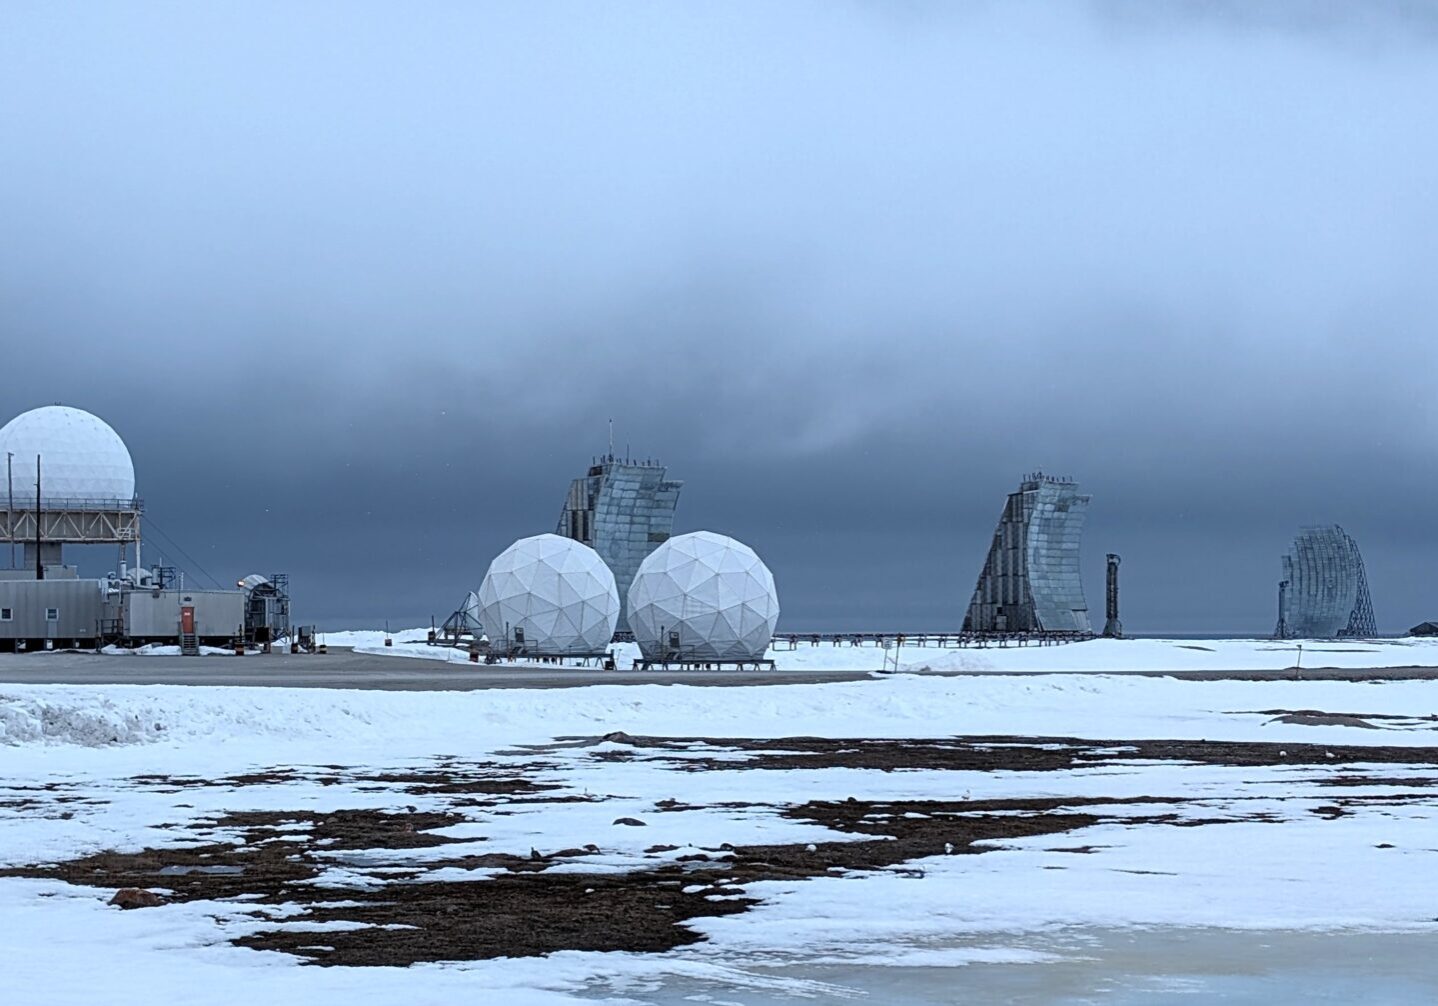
[(91, 721), (1095, 706), (162, 650), (373, 637)]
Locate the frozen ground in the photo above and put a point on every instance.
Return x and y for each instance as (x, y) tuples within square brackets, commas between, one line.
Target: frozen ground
[(1108, 655), (1115, 807)]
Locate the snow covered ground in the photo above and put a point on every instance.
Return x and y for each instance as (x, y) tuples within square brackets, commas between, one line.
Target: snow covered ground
[(1107, 655), (1104, 655), (1116, 655), (1331, 844)]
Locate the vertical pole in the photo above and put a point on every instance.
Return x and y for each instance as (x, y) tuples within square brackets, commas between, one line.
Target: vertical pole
[(10, 505), (39, 562)]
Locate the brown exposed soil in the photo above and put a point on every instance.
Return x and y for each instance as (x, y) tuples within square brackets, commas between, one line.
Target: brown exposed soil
[(351, 867), (450, 776), (524, 911), (1414, 781), (344, 829), (997, 753)]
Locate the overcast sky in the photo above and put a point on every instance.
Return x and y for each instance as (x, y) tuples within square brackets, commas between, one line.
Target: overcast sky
[(360, 284)]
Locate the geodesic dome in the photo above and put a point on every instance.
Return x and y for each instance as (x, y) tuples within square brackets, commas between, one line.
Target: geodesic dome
[(81, 457), (555, 592), (713, 591)]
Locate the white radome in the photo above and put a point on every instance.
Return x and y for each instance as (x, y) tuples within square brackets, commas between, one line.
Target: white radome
[(711, 590), (81, 457), (557, 591)]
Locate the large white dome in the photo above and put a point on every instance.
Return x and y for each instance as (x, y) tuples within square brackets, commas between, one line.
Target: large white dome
[(81, 457), (557, 591), (711, 590)]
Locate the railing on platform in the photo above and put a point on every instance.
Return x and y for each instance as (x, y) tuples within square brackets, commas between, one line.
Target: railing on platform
[(943, 640), (75, 504), (67, 521)]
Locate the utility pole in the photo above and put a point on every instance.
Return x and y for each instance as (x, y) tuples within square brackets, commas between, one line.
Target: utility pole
[(10, 505), (39, 561)]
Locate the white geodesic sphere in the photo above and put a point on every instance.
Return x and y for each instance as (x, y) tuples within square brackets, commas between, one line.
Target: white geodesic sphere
[(712, 590), (558, 591), (81, 457)]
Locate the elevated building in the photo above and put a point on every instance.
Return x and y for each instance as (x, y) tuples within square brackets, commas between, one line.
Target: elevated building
[(1324, 590), (1031, 581), (623, 510), (70, 480)]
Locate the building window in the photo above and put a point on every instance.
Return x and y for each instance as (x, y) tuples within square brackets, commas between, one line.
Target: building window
[(7, 614), (52, 614)]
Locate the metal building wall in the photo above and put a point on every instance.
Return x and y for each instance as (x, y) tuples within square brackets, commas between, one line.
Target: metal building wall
[(1055, 532), (155, 614), (80, 604), (1001, 598), (1031, 580), (1326, 589)]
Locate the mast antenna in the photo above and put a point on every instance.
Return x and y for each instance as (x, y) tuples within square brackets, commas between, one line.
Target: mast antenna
[(39, 562)]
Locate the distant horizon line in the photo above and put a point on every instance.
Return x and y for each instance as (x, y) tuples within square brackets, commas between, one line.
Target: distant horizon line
[(780, 633)]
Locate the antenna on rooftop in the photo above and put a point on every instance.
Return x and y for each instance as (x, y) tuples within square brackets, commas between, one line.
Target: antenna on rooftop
[(611, 439)]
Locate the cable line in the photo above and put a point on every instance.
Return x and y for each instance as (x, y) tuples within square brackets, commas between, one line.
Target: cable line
[(174, 545)]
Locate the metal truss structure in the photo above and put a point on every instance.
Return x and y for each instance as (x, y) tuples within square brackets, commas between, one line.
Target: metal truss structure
[(73, 522)]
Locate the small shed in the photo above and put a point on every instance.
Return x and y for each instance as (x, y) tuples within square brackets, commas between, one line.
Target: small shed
[(1424, 629)]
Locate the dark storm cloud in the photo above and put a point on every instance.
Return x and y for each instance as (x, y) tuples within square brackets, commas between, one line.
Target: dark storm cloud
[(360, 286)]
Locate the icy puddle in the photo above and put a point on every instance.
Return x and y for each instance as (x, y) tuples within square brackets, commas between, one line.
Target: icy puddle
[(1116, 967)]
